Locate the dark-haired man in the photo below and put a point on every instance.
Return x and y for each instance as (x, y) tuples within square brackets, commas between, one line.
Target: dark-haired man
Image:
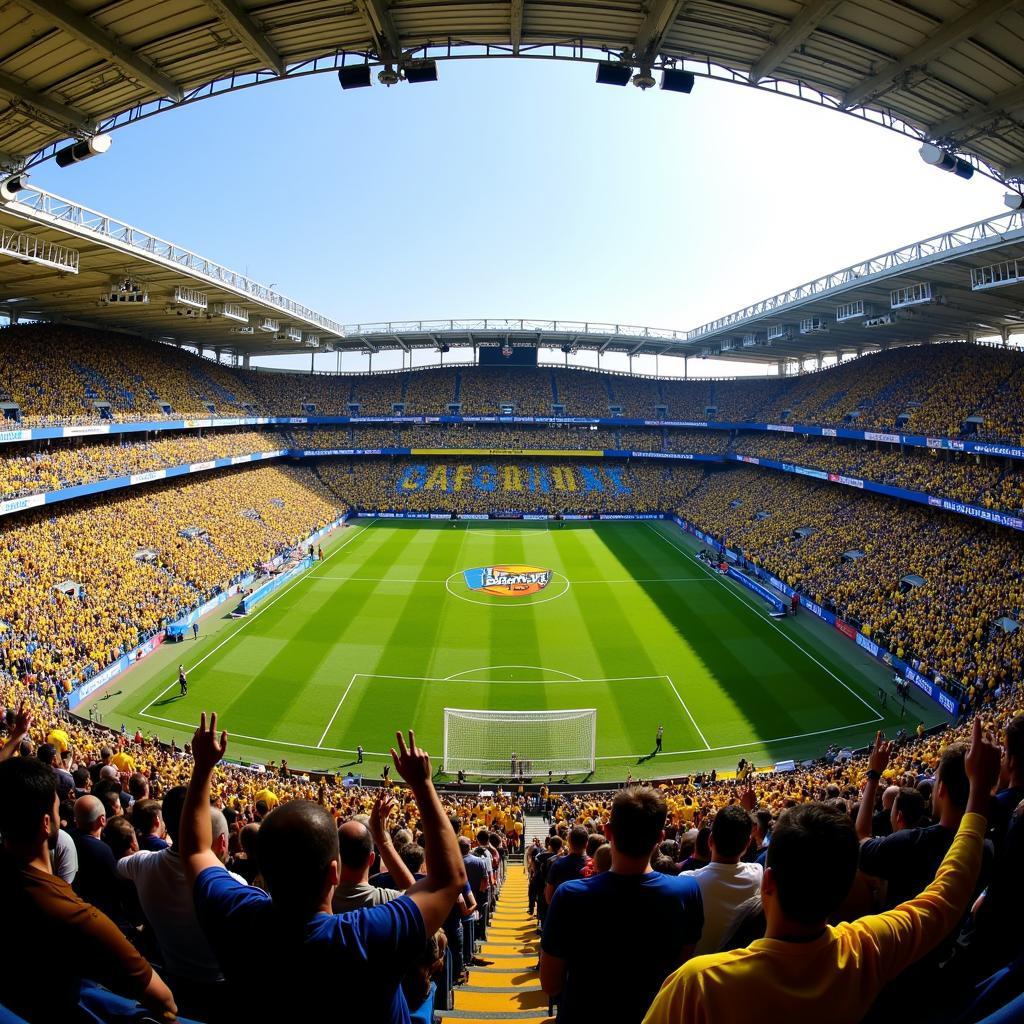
[(726, 883), (804, 969), (1011, 779), (49, 915), (318, 957), (908, 859), (610, 940), (570, 866)]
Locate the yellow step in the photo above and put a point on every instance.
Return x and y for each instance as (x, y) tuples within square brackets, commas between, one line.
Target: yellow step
[(500, 1002), (490, 1020), (510, 963), (505, 979)]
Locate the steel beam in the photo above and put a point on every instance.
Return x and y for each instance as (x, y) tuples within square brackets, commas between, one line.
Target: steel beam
[(516, 24), (377, 14), (661, 16), (64, 17), (951, 33), (978, 114), (792, 37), (66, 116), (248, 33)]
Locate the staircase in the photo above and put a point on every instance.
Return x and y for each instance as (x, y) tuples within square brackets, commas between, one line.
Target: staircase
[(509, 990), (534, 825)]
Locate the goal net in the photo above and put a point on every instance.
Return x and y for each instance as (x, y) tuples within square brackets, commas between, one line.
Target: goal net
[(519, 744)]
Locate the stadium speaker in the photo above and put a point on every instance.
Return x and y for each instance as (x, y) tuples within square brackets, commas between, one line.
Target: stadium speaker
[(355, 76), (421, 71), (934, 156), (674, 80), (1012, 200), (612, 73), (79, 151), (10, 188)]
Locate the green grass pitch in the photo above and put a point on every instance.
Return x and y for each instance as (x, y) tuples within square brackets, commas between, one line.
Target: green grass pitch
[(384, 634)]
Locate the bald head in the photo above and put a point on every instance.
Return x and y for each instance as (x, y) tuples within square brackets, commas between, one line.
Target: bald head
[(90, 814), (355, 847), (889, 797)]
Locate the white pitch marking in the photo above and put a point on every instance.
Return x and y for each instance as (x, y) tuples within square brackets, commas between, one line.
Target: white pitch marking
[(693, 720), (336, 710), (492, 668), (250, 618), (729, 590)]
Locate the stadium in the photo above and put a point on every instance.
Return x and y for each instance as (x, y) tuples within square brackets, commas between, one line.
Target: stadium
[(510, 669)]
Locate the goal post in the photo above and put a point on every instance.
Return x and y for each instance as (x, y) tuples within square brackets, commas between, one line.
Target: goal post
[(519, 744)]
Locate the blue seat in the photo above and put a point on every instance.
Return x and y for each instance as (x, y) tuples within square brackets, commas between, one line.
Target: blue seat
[(424, 1013)]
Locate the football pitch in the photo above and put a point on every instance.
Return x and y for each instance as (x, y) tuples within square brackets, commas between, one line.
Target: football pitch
[(387, 631)]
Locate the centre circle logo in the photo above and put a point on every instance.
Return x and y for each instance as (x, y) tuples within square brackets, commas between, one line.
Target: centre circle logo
[(508, 580)]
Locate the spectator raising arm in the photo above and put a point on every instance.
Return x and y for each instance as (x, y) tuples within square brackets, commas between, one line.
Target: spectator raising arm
[(22, 724), (436, 894), (878, 761), (401, 877), (196, 824)]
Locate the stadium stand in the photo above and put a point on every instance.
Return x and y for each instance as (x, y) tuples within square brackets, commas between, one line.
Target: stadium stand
[(81, 830)]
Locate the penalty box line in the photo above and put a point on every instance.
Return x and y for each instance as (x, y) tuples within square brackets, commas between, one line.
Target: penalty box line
[(510, 682)]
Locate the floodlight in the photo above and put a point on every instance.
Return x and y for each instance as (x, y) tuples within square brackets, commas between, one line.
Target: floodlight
[(1014, 200), (421, 71), (97, 145), (935, 156), (612, 73), (355, 76), (12, 186), (676, 80), (388, 76)]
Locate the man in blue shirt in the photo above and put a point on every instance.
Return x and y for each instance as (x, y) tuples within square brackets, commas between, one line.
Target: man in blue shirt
[(611, 940), (569, 867), (286, 955)]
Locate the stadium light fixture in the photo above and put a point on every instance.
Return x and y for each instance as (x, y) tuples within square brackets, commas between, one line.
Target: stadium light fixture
[(677, 80), (935, 156), (1014, 200), (421, 71), (10, 188), (388, 76), (612, 73), (354, 76), (96, 145)]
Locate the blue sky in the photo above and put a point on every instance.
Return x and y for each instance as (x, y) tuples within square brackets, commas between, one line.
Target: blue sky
[(522, 189)]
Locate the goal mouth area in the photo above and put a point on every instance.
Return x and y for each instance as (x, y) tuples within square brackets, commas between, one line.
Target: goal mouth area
[(519, 745)]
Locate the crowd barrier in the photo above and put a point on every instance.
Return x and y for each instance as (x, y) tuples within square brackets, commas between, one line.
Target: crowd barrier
[(1002, 449), (948, 703)]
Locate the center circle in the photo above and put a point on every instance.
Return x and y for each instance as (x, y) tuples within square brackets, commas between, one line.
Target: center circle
[(493, 601)]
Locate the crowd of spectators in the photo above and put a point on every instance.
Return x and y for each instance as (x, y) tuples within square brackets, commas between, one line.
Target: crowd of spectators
[(61, 374), (847, 551), (583, 487), (37, 467), (859, 887), (137, 560)]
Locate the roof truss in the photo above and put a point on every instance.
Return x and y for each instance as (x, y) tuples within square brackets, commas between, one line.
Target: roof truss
[(248, 33), (792, 37), (111, 49), (69, 119)]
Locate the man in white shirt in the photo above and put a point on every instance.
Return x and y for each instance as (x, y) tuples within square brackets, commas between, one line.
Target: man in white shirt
[(166, 900), (726, 883)]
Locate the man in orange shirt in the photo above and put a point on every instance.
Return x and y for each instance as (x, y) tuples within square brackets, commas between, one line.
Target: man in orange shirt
[(806, 970)]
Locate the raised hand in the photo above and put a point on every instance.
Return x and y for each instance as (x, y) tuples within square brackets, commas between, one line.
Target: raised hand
[(383, 805), (982, 760), (22, 721), (412, 763), (207, 747), (748, 798), (881, 751)]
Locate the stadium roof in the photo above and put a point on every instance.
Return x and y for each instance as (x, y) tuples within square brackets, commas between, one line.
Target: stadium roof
[(942, 70), (62, 261)]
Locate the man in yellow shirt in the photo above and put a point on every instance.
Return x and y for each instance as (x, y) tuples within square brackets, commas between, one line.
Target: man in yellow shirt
[(60, 740), (805, 969), (123, 762)]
